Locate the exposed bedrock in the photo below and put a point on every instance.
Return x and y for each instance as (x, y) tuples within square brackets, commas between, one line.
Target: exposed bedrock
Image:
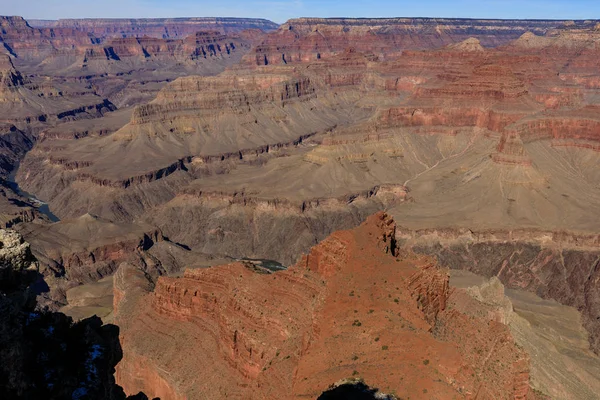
[(575, 128), (33, 104), (266, 161), (33, 44), (87, 249), (155, 27), (242, 226), (44, 354), (554, 265), (309, 39), (215, 220), (198, 47), (19, 39), (348, 307)]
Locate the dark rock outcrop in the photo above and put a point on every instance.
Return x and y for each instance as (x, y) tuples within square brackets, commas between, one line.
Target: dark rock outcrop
[(353, 389), (44, 354)]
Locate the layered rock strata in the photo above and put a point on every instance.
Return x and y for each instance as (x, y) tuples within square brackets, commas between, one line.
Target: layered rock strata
[(166, 28), (87, 249), (562, 366), (242, 147), (554, 265), (328, 321), (264, 162), (309, 39)]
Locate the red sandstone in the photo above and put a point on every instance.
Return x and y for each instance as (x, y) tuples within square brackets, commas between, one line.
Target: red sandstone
[(352, 306)]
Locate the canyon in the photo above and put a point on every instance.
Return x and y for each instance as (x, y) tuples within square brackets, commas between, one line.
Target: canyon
[(146, 162)]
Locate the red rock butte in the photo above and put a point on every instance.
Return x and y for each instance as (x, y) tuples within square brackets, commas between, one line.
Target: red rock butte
[(351, 307)]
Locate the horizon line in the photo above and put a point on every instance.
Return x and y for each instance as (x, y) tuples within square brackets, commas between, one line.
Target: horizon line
[(312, 17)]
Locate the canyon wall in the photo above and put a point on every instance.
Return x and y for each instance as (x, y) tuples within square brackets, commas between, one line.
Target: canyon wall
[(310, 39), (554, 265), (165, 28)]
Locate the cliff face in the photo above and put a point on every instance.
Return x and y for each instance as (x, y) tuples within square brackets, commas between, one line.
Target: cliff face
[(258, 147), (562, 267), (166, 28), (198, 46), (9, 76), (345, 308), (84, 250), (37, 41), (29, 104), (19, 39), (310, 39)]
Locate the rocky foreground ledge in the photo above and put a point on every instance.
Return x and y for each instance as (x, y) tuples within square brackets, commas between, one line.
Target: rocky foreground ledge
[(44, 355)]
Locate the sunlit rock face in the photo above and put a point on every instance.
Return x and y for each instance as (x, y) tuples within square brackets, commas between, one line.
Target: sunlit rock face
[(348, 307)]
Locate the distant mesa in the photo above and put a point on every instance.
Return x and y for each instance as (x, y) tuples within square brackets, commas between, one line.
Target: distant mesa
[(468, 45)]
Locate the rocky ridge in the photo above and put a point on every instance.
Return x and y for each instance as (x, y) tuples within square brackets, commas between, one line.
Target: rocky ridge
[(324, 306), (365, 131), (247, 140)]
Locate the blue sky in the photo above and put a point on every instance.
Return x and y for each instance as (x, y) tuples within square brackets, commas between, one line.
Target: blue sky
[(281, 10)]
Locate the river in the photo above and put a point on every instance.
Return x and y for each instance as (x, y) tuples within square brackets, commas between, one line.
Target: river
[(271, 265), (41, 206)]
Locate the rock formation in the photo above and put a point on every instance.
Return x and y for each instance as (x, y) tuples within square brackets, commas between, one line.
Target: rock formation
[(348, 307), (43, 354), (165, 28), (9, 76), (132, 50), (561, 364), (311, 39), (558, 266), (88, 249), (19, 39), (267, 148)]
